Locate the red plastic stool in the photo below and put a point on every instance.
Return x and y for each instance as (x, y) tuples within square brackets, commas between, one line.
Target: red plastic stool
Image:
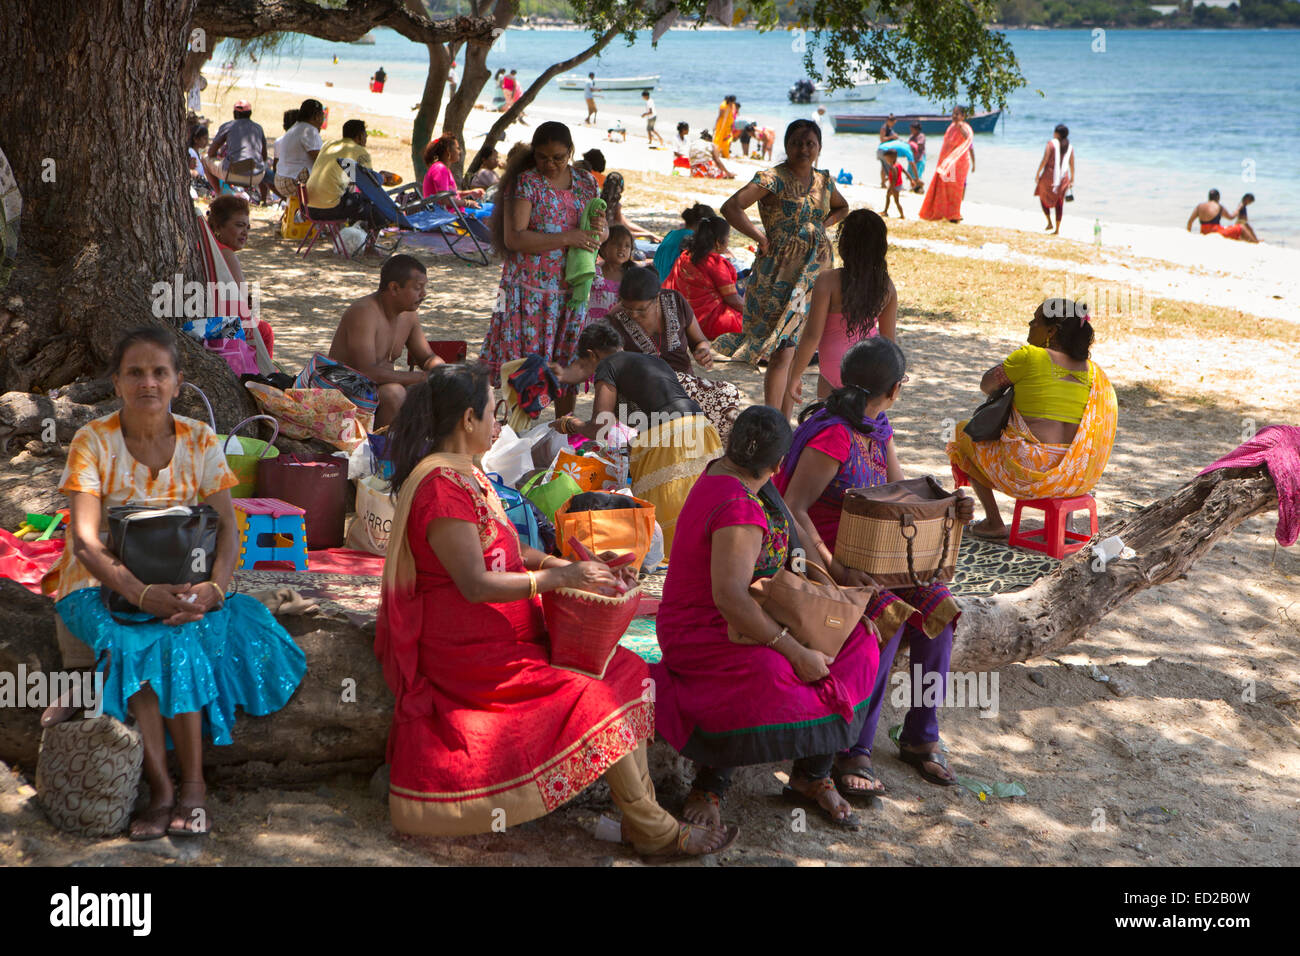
[(960, 477), (1054, 538)]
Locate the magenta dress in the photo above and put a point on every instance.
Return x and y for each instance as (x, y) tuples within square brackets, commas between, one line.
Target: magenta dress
[(532, 315), (731, 705)]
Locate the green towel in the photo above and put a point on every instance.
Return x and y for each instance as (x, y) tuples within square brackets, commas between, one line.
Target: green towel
[(580, 264)]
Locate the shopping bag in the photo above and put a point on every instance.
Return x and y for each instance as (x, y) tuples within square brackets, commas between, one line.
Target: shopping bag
[(373, 522), (324, 413), (621, 530), (549, 495), (592, 472), (316, 483)]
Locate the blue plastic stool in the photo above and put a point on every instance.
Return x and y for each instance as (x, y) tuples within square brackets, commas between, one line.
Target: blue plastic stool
[(270, 530)]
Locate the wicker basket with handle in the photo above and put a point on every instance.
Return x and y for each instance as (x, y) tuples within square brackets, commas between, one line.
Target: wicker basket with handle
[(904, 534), (584, 628)]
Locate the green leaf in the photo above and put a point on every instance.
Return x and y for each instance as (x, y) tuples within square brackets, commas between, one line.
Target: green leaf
[(895, 732), (1000, 790)]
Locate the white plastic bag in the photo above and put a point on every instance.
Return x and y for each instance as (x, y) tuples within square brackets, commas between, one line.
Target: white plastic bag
[(373, 522), (510, 457), (354, 237)]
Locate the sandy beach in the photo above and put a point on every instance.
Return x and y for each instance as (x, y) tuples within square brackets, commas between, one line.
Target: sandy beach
[(1200, 338)]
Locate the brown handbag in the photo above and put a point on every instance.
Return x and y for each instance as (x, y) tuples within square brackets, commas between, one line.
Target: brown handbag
[(820, 616), (904, 534)]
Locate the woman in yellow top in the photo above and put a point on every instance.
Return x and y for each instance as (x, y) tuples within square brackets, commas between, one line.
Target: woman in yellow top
[(722, 125), (1062, 427), (193, 653)]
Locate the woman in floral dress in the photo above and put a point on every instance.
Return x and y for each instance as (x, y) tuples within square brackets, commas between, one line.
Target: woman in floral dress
[(536, 221), (796, 203)]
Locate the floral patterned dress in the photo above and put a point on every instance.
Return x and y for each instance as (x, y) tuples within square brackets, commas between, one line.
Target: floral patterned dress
[(532, 315), (779, 291)]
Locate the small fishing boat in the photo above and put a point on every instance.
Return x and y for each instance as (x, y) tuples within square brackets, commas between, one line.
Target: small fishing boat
[(574, 82), (930, 123), (862, 90)]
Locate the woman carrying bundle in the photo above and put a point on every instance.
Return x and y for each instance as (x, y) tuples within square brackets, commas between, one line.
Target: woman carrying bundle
[(707, 279), (668, 452), (1058, 440), (485, 732), (847, 442)]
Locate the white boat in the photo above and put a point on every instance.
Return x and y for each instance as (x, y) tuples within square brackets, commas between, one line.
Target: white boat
[(859, 92), (574, 82), (367, 40)]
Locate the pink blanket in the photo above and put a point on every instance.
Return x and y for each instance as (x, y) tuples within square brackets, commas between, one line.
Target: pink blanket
[(1277, 447)]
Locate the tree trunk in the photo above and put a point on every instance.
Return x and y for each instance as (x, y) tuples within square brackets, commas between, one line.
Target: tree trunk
[(426, 119), (474, 79), (498, 131), (1169, 536)]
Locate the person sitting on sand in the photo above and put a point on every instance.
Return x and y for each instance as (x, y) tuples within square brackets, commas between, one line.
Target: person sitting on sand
[(330, 195), (439, 155), (198, 146), (670, 247), (237, 140), (706, 160), (1062, 427), (1247, 230), (375, 329), (1209, 213), (612, 192), (707, 279), (593, 161), (681, 145)]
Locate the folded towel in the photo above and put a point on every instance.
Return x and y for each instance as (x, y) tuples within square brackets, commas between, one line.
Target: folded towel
[(1277, 447), (580, 264)]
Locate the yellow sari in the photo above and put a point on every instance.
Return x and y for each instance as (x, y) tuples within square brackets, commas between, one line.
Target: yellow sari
[(665, 462), (722, 131), (1020, 465)]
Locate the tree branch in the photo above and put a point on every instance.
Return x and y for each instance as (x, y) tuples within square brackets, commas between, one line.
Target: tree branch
[(498, 131), (245, 19), (1169, 536)]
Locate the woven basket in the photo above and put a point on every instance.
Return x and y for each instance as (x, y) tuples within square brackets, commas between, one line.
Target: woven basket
[(585, 627), (904, 534), (87, 775)]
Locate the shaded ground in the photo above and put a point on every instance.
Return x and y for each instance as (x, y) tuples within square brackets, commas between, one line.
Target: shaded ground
[(1188, 754)]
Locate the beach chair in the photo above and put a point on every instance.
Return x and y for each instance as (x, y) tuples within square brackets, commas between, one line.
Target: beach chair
[(427, 214), (328, 227)]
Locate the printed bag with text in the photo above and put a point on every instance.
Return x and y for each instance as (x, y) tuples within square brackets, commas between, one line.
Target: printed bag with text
[(324, 413)]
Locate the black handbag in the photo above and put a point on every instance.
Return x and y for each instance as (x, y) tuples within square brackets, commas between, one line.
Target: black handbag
[(991, 417), (175, 545)]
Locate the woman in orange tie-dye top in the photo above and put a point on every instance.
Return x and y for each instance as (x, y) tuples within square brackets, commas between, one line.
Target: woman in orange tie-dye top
[(192, 653), (1062, 427)]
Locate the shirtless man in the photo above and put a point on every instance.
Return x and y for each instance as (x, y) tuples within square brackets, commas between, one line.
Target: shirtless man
[(375, 329), (1209, 213)]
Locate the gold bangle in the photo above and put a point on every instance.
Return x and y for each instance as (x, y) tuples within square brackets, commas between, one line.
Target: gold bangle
[(532, 584), (221, 594), (140, 603)]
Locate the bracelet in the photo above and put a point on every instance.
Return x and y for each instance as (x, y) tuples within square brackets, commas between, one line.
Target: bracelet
[(532, 584), (140, 603), (221, 594), (785, 632)]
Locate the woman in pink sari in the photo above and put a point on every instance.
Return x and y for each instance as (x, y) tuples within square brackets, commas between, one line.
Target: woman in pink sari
[(956, 162)]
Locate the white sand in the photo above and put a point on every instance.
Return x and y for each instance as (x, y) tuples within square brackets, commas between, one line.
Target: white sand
[(1259, 279)]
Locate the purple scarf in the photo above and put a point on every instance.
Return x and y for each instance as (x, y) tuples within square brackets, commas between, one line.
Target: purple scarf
[(866, 465)]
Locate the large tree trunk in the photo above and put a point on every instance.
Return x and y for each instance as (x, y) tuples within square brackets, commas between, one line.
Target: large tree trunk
[(498, 131), (426, 118)]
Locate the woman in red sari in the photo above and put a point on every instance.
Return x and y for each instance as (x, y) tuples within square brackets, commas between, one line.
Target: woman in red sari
[(707, 280), (485, 732), (956, 162)]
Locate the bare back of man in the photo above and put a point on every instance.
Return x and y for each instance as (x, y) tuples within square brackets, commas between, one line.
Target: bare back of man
[(376, 328)]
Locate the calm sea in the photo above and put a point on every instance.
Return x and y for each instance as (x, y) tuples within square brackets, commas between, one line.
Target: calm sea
[(1157, 117)]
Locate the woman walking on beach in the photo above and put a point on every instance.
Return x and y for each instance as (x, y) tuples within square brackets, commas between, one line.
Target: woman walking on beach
[(796, 203), (540, 204), (956, 162), (1055, 175)]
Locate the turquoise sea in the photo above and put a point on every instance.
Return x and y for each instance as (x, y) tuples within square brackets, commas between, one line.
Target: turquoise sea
[(1157, 117)]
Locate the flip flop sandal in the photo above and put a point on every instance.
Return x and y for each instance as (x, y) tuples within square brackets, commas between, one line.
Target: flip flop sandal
[(677, 850), (155, 823), (919, 760), (851, 821), (862, 773), (186, 810), (978, 529)]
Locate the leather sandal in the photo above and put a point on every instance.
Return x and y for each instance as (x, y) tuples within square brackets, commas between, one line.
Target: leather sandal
[(919, 760)]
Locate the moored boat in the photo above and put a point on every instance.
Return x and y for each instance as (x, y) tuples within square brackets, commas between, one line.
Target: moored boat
[(930, 123), (648, 82)]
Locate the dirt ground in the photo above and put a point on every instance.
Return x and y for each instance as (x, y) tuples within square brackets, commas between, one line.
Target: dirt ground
[(1186, 755)]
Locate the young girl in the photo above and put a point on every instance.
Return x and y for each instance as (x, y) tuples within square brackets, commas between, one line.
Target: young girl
[(615, 259), (851, 303), (895, 182), (708, 280)]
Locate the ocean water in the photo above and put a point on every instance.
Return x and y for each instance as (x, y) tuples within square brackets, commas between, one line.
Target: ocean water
[(1157, 117)]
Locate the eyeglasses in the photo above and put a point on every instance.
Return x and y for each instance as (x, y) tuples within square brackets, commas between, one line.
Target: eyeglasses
[(502, 412)]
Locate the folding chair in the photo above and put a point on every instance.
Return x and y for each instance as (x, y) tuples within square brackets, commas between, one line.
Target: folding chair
[(426, 214), (329, 227), (243, 172)]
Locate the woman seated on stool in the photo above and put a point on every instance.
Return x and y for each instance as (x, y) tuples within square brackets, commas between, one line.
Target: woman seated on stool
[(196, 653), (847, 442), (485, 732), (1062, 426), (734, 687), (671, 447)]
